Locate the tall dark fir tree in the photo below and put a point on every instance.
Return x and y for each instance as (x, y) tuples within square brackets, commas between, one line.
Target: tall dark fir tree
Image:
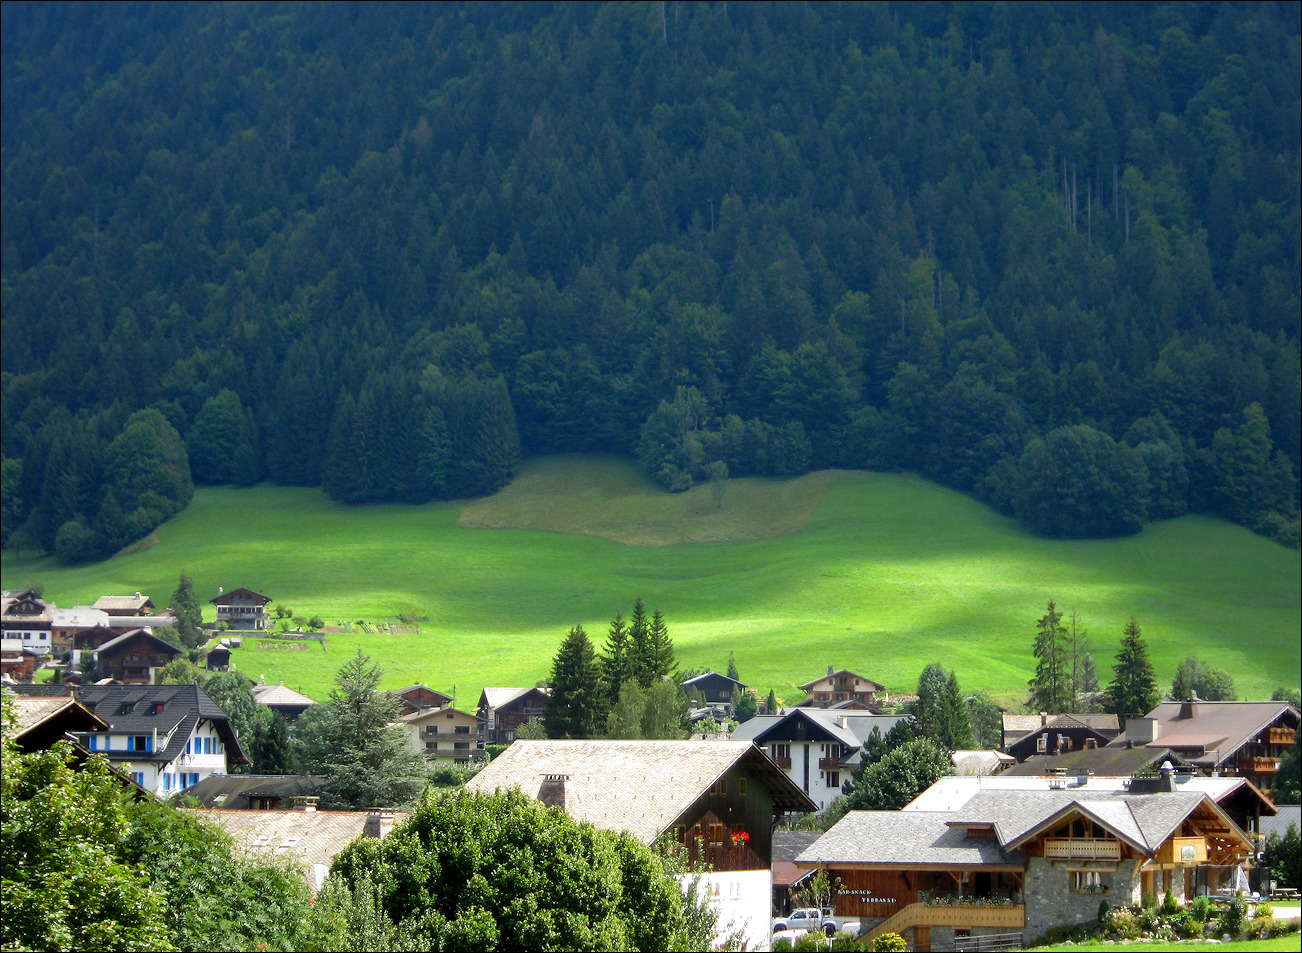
[(1133, 689)]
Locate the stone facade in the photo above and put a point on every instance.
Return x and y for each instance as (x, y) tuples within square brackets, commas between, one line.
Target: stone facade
[(1051, 900)]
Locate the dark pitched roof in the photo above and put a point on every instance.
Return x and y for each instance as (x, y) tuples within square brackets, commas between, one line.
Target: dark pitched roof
[(709, 676), (1107, 761), (136, 635), (134, 709), (1209, 733), (234, 791), (866, 684), (226, 597)]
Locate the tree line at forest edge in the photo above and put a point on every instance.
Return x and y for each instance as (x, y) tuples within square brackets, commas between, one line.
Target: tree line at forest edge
[(1046, 254)]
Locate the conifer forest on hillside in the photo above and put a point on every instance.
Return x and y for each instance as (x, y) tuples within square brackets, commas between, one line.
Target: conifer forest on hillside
[(1045, 253)]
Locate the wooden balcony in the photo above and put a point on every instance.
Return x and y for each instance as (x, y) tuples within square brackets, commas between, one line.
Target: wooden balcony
[(1280, 736), (962, 915), (1081, 848), (1257, 765), (783, 763), (829, 764)]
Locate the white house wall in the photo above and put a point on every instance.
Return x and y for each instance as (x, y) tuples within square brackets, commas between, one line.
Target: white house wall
[(743, 900)]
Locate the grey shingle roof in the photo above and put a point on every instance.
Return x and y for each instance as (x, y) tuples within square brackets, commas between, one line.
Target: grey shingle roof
[(641, 787), (905, 838), (850, 728), (130, 709)]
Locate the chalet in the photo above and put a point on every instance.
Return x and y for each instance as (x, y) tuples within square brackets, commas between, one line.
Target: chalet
[(1244, 738), (133, 657), (816, 748), (446, 734), (282, 700), (41, 721), (242, 609), (24, 615), (65, 623), (304, 837), (218, 658), (717, 798), (716, 690), (16, 663), (420, 697), (1022, 861), (841, 688), (1028, 736), (504, 710), (167, 737), (131, 606)]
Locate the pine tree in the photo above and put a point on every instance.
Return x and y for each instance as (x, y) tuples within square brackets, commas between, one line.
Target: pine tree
[(185, 607), (1051, 689), (1133, 690), (660, 648), (732, 668), (958, 721), (578, 705), (639, 636), (771, 704), (617, 662)]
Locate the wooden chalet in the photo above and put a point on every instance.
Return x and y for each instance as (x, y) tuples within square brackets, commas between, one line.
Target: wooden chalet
[(504, 710), (717, 798), (242, 609), (137, 605), (1022, 861), (416, 698), (841, 688), (1057, 734), (716, 689), (134, 657)]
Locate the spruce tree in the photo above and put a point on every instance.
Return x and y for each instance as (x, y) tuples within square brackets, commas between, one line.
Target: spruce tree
[(617, 662), (732, 668), (1133, 690), (639, 637), (661, 648), (1051, 689), (578, 705), (185, 607)]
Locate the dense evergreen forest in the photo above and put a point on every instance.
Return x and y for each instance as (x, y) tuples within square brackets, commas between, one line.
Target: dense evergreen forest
[(1045, 253)]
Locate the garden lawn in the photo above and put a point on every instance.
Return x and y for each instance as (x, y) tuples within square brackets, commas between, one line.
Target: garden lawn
[(879, 573), (1290, 942)]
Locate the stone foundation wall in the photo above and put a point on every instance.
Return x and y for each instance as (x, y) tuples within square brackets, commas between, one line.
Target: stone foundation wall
[(1051, 902)]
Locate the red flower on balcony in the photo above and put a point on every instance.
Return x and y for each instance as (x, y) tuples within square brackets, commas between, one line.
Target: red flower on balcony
[(740, 837)]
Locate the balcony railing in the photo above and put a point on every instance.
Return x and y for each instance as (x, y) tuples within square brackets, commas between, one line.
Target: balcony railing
[(1280, 736), (829, 764), (1257, 765), (1081, 848), (783, 763)]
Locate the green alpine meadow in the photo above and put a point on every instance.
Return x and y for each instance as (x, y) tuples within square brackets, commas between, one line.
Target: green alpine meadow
[(880, 573)]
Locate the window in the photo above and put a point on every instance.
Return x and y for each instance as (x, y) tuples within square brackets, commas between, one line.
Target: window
[(138, 743), (462, 729), (834, 779), (1042, 743), (461, 745), (716, 833), (431, 746), (1087, 881), (741, 786), (140, 778), (721, 786)]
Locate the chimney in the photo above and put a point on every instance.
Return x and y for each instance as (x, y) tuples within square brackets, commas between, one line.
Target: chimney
[(1168, 777), (303, 802), (1044, 718), (829, 670), (1142, 731), (378, 824), (556, 791), (1189, 709)]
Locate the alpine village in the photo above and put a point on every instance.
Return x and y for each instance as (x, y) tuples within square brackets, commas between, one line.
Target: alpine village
[(650, 475)]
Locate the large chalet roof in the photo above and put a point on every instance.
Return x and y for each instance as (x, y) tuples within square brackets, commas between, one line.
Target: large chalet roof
[(1016, 727), (641, 787), (135, 710), (278, 695), (906, 839), (79, 617), (138, 635), (1209, 733), (124, 605), (1111, 760), (309, 839), (709, 675), (914, 838)]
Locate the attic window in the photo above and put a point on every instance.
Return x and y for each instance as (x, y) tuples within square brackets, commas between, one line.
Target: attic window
[(287, 843), (262, 841), (158, 708)]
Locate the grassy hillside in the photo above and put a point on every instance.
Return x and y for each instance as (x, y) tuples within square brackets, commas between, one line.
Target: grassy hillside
[(880, 573)]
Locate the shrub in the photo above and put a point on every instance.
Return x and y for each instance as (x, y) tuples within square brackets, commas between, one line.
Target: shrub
[(1122, 925), (1169, 907), (1265, 910), (1201, 909), (888, 943), (1104, 907), (1234, 917), (1148, 902)]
